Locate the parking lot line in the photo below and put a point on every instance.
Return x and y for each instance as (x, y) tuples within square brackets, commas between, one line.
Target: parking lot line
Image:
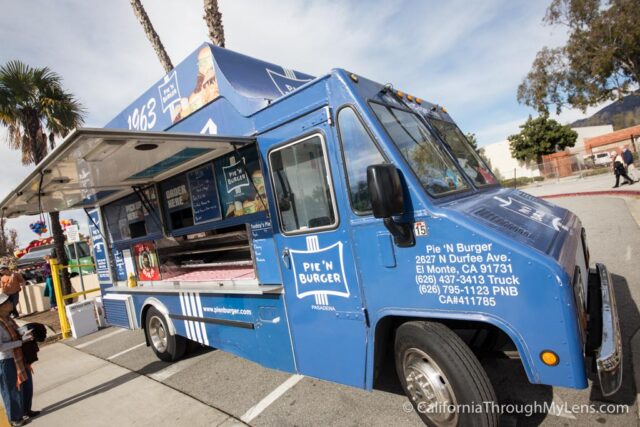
[(126, 351), (88, 343), (174, 368), (257, 409)]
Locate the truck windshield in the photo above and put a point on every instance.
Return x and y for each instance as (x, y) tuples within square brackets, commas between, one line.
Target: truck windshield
[(469, 160), (425, 156)]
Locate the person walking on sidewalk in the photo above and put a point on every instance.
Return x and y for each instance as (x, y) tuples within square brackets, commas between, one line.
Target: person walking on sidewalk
[(16, 384), (627, 156), (11, 283), (619, 170)]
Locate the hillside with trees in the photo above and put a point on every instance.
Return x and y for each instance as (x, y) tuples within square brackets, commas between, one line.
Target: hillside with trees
[(621, 114)]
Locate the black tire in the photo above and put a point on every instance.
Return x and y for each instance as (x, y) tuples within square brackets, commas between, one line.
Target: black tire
[(167, 347), (429, 350)]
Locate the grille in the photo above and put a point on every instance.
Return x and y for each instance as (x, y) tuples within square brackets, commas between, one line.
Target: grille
[(491, 217), (117, 313)]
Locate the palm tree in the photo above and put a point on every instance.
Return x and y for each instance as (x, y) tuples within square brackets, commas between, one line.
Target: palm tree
[(35, 109), (213, 18), (153, 37)]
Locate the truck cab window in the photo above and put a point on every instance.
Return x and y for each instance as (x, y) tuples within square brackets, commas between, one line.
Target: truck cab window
[(359, 152), (302, 186), (426, 157), (469, 160)]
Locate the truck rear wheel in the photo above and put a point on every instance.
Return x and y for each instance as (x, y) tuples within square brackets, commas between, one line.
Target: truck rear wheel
[(167, 347), (439, 373)]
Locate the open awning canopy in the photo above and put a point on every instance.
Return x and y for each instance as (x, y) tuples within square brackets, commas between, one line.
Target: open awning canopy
[(92, 167)]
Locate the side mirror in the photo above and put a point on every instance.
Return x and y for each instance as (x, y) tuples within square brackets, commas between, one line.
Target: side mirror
[(387, 200), (385, 190)]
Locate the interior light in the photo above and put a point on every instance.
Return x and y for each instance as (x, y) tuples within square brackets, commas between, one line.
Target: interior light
[(146, 147), (105, 149)]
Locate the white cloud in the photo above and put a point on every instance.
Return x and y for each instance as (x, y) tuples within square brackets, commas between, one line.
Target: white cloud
[(469, 56)]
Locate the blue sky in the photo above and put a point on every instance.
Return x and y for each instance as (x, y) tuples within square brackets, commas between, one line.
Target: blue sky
[(467, 56)]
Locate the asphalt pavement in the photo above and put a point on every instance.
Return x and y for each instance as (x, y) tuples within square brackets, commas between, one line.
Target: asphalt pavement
[(111, 377)]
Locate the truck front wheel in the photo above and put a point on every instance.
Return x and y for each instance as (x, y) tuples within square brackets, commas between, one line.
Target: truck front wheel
[(167, 347), (443, 379)]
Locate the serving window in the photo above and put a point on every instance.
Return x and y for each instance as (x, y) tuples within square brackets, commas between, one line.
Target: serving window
[(129, 218), (191, 198), (207, 212)]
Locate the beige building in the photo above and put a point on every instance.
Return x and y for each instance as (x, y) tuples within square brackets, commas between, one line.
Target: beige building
[(499, 153), (506, 166)]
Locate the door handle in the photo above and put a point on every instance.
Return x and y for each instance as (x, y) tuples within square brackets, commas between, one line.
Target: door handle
[(286, 258)]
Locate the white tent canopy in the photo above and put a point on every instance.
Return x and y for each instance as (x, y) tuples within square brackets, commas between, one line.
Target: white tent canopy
[(92, 167)]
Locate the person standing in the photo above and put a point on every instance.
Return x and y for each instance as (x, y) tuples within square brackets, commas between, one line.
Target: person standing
[(627, 157), (619, 170), (11, 283), (16, 383), (48, 283)]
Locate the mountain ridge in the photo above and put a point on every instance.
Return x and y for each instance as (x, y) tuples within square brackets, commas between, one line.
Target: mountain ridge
[(622, 113)]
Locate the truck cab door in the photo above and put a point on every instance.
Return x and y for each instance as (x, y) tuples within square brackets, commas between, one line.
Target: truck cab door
[(324, 304)]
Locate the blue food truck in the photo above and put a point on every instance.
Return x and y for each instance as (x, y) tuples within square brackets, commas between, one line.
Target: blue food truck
[(328, 226)]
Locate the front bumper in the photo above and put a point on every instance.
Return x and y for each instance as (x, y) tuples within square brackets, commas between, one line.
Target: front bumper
[(603, 330)]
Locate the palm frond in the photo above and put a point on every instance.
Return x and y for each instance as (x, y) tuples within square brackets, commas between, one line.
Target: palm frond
[(32, 100)]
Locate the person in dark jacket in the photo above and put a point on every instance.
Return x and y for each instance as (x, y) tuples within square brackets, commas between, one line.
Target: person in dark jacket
[(619, 170), (627, 157)]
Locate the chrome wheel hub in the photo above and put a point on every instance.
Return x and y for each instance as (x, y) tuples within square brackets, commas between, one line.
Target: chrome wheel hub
[(429, 388), (158, 334)]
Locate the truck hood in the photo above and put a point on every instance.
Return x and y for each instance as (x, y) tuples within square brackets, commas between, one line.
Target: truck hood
[(524, 218)]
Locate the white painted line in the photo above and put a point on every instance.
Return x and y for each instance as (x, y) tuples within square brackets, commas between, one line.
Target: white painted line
[(174, 368), (126, 351), (105, 336), (560, 409), (257, 409)]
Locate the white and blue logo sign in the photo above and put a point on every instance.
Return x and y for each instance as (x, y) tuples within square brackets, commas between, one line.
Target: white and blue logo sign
[(319, 272), (99, 249), (169, 91), (287, 82), (235, 176)]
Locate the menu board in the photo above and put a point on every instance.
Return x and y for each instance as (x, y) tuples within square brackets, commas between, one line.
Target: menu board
[(120, 268), (204, 194)]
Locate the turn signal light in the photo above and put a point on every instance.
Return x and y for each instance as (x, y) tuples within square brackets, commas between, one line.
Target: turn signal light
[(549, 358)]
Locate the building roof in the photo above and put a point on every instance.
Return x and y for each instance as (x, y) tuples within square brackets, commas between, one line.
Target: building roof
[(613, 137)]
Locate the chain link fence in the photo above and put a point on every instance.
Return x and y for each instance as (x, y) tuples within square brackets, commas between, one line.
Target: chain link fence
[(562, 166)]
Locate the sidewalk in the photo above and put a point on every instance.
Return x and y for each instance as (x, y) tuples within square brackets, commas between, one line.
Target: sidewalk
[(589, 184), (75, 388)]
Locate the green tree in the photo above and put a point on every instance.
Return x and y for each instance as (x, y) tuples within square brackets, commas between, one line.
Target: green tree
[(35, 109), (599, 62), (538, 137), (473, 141), (8, 239)]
